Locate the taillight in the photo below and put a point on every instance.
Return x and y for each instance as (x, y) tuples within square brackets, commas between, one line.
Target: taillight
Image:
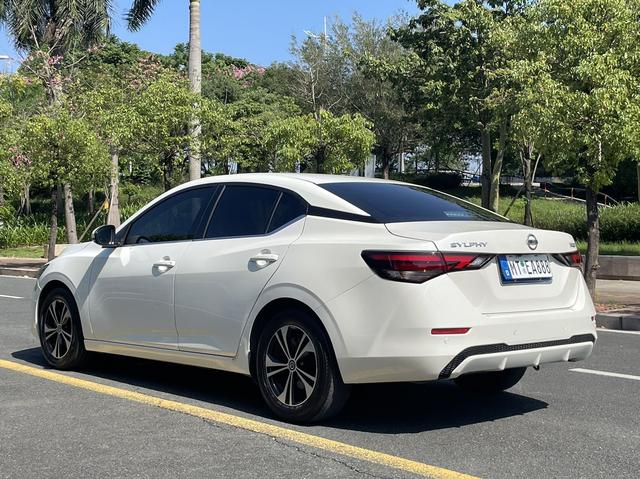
[(573, 258), (418, 267)]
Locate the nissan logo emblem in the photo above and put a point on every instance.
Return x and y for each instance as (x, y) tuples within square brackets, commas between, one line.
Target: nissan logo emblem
[(532, 242)]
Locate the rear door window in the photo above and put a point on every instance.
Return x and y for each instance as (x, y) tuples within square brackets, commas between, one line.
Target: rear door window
[(396, 203), (242, 210)]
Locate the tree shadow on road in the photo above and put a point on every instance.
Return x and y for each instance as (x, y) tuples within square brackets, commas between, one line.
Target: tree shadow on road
[(379, 408)]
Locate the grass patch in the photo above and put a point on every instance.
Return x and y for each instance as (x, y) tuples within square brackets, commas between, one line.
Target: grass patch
[(622, 248), (22, 252)]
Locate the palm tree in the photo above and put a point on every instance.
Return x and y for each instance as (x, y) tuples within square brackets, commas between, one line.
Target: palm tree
[(55, 28), (58, 26), (140, 12)]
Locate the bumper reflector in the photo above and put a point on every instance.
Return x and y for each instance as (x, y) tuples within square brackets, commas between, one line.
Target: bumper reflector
[(450, 330)]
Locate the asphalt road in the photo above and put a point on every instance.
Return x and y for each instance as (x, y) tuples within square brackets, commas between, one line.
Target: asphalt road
[(554, 423)]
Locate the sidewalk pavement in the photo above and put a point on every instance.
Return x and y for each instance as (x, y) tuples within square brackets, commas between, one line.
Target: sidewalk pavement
[(617, 301)]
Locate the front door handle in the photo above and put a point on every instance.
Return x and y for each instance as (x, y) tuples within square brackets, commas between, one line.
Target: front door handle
[(165, 264), (264, 258)]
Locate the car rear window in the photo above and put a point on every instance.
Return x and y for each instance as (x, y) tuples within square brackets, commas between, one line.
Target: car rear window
[(397, 203)]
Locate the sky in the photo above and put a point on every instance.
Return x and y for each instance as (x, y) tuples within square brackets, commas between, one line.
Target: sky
[(259, 31)]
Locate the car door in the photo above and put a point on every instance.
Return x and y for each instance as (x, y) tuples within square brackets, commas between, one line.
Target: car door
[(132, 294), (222, 275)]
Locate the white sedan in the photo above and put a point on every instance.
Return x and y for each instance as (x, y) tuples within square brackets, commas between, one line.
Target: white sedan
[(311, 283)]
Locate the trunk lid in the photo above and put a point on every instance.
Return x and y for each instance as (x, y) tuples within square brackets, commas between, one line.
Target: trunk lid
[(484, 288), (484, 237)]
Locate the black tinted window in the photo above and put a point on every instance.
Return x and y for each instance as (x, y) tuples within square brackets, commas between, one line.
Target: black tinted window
[(289, 208), (242, 211), (174, 219), (394, 203)]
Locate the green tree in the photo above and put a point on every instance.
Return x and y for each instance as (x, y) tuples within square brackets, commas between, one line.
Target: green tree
[(21, 98), (220, 137), (63, 150), (103, 92), (370, 55), (7, 173), (586, 80), (253, 114), (341, 143), (332, 144), (164, 106), (53, 31), (459, 52), (140, 12)]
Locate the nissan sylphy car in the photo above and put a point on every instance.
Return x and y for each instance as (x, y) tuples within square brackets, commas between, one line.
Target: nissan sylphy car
[(312, 283)]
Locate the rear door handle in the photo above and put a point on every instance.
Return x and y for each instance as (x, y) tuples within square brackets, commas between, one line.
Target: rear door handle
[(263, 259), (165, 264)]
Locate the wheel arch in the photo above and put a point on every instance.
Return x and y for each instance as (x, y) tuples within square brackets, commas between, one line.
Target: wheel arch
[(58, 281), (274, 305)]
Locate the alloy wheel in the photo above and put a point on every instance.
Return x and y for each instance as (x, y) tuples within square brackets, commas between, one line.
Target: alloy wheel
[(291, 365), (57, 328)]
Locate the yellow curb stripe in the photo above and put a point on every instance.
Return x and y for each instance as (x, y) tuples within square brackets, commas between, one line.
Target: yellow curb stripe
[(298, 437)]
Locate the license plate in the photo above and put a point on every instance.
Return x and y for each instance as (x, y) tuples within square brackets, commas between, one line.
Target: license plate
[(525, 267)]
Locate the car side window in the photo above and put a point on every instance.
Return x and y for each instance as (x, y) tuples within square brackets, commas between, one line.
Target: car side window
[(242, 211), (174, 219), (288, 209)]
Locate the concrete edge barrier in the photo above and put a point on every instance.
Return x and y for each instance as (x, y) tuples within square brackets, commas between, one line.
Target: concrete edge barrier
[(619, 322), (619, 267)]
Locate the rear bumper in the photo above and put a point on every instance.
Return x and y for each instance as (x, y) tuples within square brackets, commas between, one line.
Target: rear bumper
[(490, 357), (498, 357), (388, 337)]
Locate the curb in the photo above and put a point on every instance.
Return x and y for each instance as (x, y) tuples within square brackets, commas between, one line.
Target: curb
[(617, 321), (28, 272)]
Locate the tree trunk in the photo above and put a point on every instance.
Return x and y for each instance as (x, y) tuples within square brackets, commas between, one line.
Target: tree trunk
[(528, 188), (60, 198), (53, 226), (386, 165), (91, 200), (69, 215), (593, 246), (27, 199), (496, 171), (320, 160), (485, 178), (528, 172), (113, 217), (195, 84)]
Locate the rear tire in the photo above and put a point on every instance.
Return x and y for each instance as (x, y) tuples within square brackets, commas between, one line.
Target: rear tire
[(60, 330), (296, 371), (490, 382)]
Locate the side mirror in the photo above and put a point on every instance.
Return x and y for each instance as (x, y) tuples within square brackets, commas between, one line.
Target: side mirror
[(105, 236)]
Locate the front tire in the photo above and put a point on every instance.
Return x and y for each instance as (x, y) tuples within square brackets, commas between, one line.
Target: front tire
[(490, 382), (60, 330), (296, 371)]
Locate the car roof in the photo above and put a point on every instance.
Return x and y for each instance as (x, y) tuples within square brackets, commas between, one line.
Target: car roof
[(305, 185)]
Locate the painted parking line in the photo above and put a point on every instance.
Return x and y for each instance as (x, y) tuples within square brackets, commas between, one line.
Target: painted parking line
[(10, 297), (605, 373), (239, 422)]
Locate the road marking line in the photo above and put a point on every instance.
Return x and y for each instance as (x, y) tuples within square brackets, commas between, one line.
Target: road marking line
[(16, 277), (10, 297), (279, 432), (605, 373)]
